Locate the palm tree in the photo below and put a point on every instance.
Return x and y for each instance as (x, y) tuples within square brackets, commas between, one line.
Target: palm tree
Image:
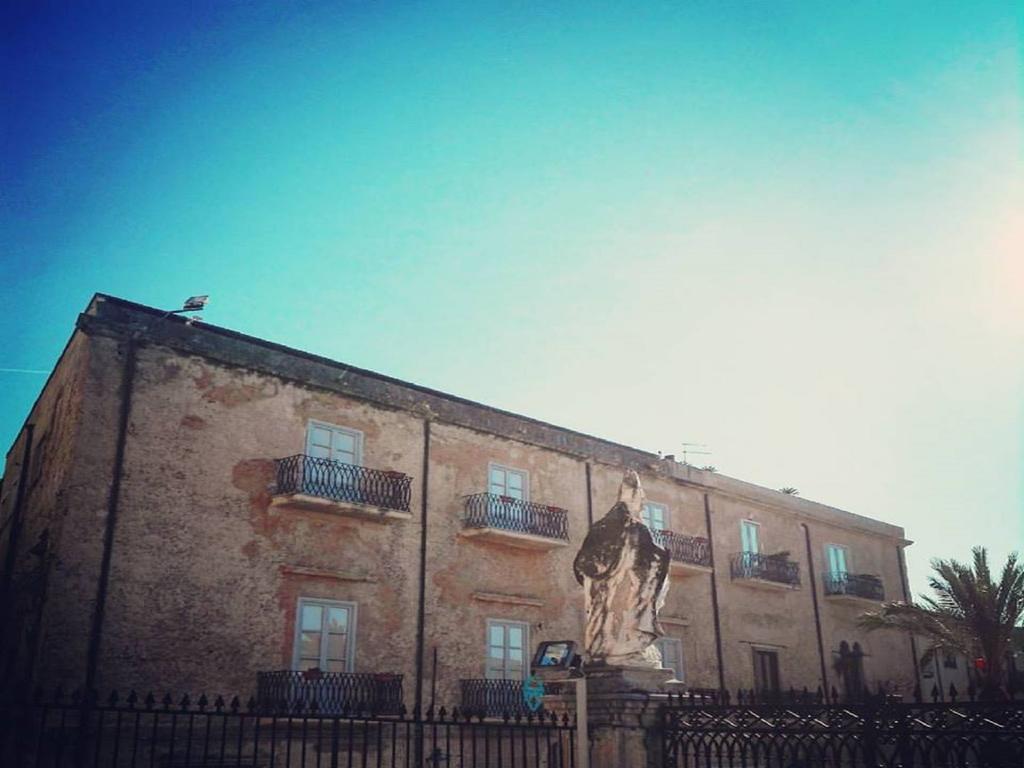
[(969, 615)]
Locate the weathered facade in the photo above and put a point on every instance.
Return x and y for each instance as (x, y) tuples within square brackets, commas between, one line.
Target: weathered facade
[(153, 536)]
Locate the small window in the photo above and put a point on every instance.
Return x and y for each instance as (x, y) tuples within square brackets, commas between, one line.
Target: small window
[(671, 655), (949, 660), (328, 441), (837, 558), (325, 635), (654, 516), (505, 481), (507, 645), (766, 671), (750, 536)]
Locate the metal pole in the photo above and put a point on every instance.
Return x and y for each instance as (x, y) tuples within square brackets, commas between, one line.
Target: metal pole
[(582, 732)]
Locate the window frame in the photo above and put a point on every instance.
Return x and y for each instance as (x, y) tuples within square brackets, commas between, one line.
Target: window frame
[(757, 528), (353, 623), (492, 465), (506, 623), (664, 515), (355, 433), (760, 649), (846, 559), (679, 674)]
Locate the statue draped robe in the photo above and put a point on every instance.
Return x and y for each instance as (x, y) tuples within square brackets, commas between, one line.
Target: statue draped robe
[(624, 574)]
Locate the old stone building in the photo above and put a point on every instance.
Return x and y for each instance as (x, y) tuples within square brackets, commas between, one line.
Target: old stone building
[(188, 507)]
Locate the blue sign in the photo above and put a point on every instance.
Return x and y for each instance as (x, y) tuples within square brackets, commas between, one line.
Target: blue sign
[(533, 691)]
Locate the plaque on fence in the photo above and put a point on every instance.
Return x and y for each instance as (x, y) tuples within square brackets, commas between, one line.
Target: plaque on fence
[(533, 693)]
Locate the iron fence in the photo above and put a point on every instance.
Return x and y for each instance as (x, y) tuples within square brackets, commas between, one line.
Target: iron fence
[(863, 585), (694, 550), (879, 733), (188, 733), (489, 510), (337, 481), (331, 691), (492, 698), (754, 565)]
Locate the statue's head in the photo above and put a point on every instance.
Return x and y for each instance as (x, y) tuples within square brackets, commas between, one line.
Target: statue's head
[(631, 493)]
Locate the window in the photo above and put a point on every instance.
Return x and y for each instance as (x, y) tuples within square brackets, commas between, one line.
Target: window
[(327, 441), (671, 655), (505, 481), (325, 635), (749, 536), (851, 667), (654, 516), (949, 660), (507, 644), (766, 671), (837, 558)]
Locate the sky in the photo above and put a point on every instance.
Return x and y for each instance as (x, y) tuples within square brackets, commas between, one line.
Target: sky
[(793, 232)]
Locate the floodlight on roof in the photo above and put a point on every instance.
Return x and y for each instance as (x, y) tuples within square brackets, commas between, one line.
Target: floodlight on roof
[(194, 303)]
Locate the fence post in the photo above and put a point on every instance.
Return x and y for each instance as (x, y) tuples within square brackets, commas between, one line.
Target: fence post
[(870, 741)]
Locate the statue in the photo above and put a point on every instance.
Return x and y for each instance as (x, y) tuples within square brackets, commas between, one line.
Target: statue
[(625, 579)]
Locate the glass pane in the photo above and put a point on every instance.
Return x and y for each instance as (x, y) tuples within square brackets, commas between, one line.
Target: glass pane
[(515, 655), (312, 617), (497, 477), (336, 665), (496, 652), (320, 437), (343, 441), (319, 451), (337, 647), (309, 645), (337, 619), (497, 634), (515, 637), (305, 664), (515, 481)]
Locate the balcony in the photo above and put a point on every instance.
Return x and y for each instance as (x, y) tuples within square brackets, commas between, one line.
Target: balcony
[(689, 554), (515, 522), (492, 698), (329, 692), (770, 571), (322, 484), (854, 586)]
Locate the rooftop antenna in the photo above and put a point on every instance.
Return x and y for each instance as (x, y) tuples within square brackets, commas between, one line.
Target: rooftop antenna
[(694, 449)]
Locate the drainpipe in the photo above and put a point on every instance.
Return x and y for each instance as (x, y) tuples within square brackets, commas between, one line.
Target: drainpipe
[(9, 663), (590, 500), (714, 595), (906, 599), (421, 608), (113, 500), (817, 613), (19, 503)]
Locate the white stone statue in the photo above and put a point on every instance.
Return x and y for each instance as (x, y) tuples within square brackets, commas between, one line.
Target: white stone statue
[(624, 574)]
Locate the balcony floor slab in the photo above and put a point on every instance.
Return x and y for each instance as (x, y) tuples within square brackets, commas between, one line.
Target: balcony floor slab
[(853, 599), (683, 569), (332, 506), (765, 584), (513, 538)]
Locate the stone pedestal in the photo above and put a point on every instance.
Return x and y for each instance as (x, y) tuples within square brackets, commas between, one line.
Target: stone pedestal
[(622, 709)]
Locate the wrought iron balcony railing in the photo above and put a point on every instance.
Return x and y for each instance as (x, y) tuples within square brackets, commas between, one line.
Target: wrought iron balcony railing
[(336, 481), (693, 550), (776, 568), (864, 585), (287, 691), (488, 510), (492, 698)]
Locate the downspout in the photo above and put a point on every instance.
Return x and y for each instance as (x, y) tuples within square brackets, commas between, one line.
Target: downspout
[(590, 500), (817, 613), (906, 599), (9, 662), (421, 608), (19, 503), (714, 595), (113, 500)]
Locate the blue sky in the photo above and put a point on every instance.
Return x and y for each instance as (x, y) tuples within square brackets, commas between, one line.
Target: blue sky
[(791, 231)]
